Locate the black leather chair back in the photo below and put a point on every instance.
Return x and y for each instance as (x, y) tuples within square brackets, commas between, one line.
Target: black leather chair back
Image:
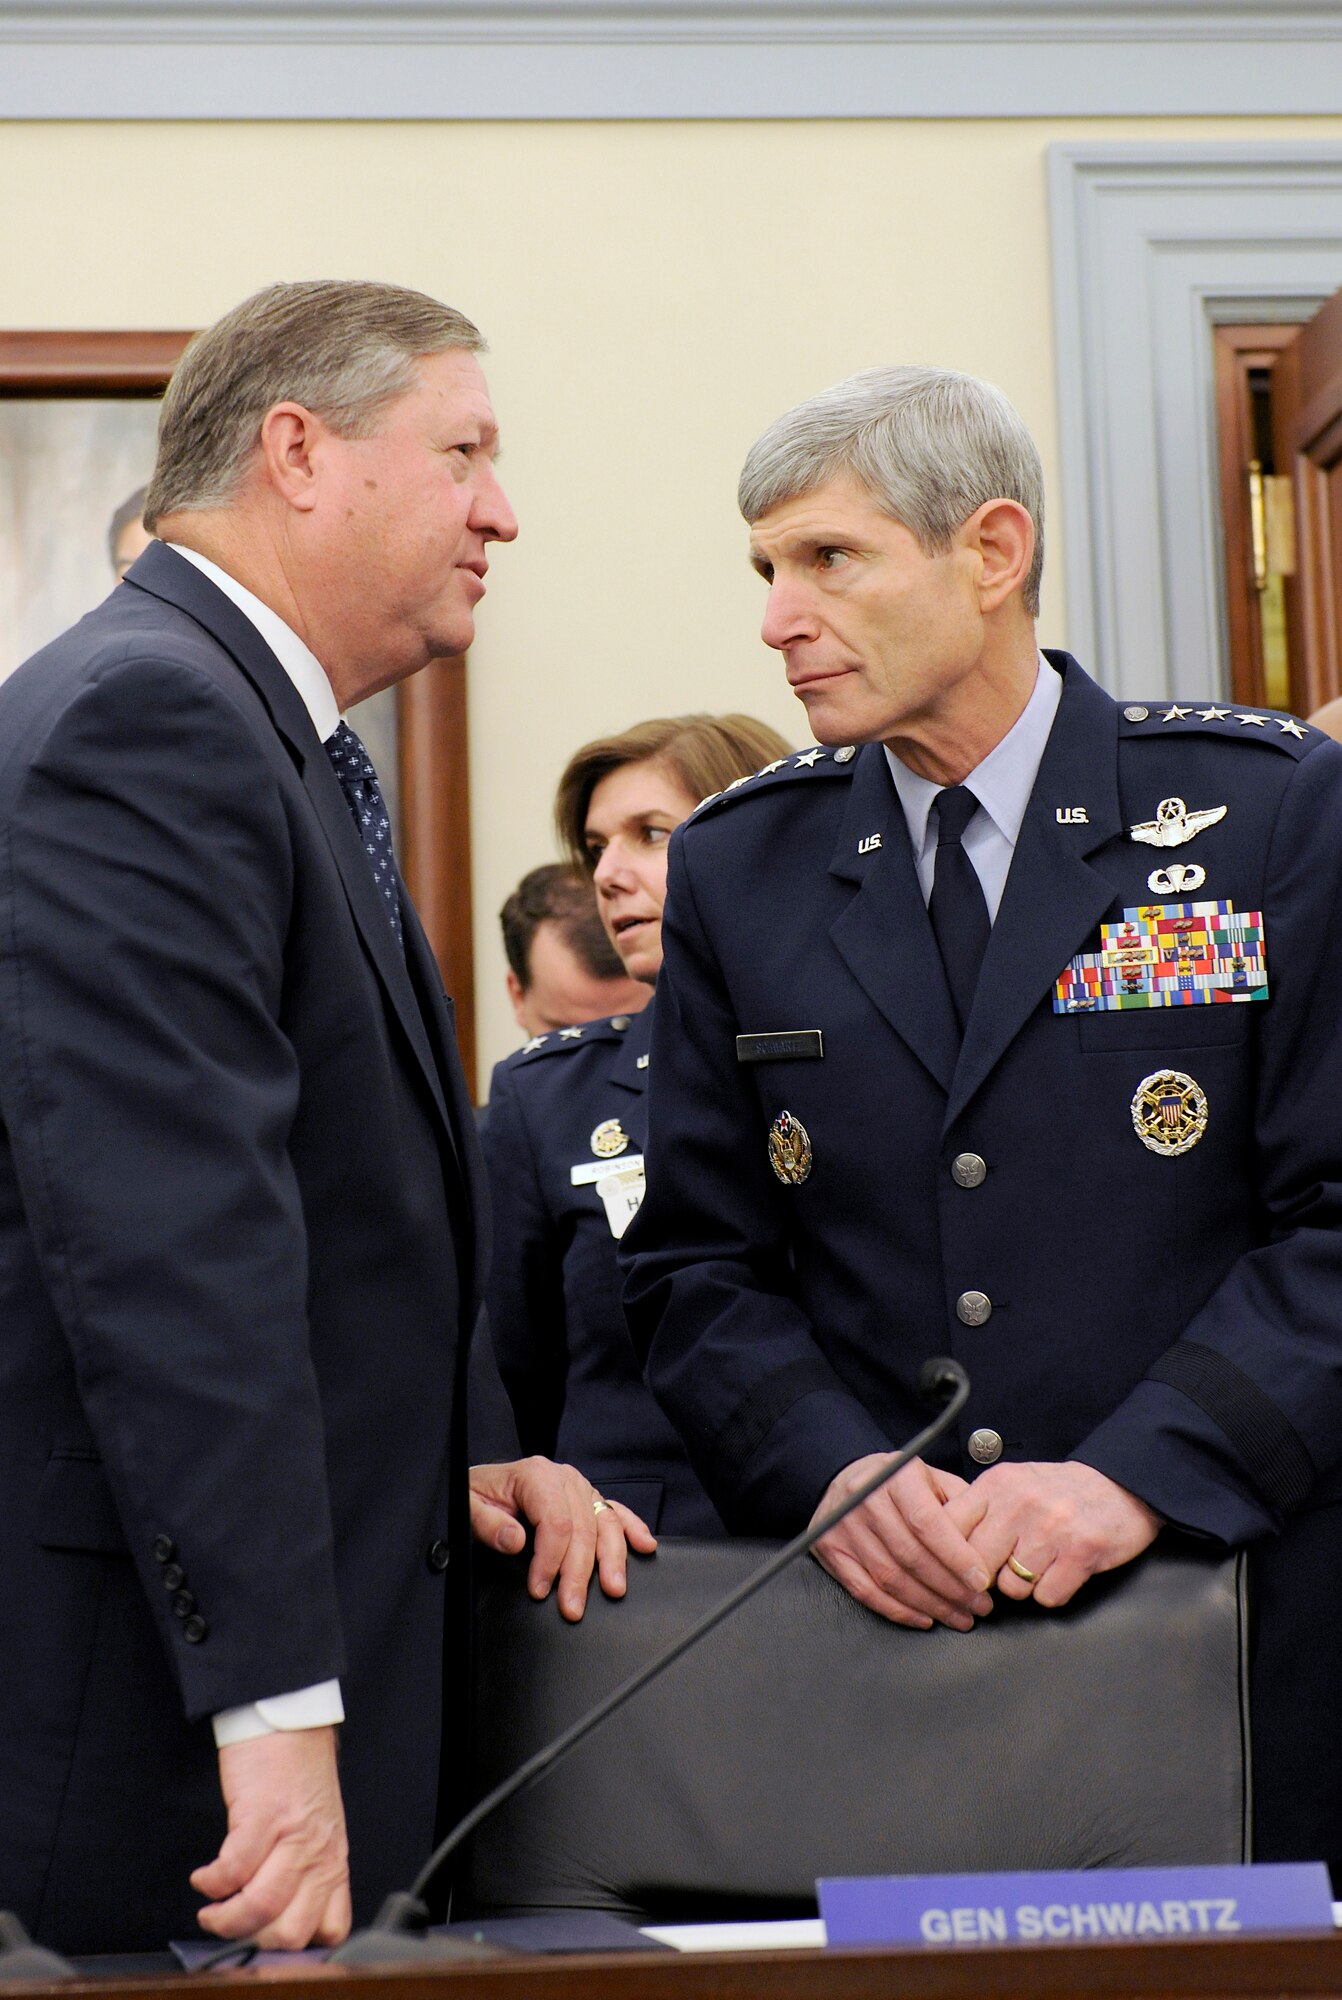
[(808, 1737)]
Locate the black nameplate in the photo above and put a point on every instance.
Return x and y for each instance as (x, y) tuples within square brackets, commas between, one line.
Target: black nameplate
[(794, 1045)]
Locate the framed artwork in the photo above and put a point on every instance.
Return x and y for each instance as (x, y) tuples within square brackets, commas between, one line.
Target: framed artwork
[(78, 416)]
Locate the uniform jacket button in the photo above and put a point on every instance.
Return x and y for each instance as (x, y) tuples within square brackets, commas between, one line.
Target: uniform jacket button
[(619, 1022), (174, 1576), (438, 1557), (194, 1629), (973, 1308), (165, 1548), (985, 1447), (968, 1170), (183, 1604)]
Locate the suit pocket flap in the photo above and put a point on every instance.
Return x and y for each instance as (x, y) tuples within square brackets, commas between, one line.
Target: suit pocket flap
[(75, 1509)]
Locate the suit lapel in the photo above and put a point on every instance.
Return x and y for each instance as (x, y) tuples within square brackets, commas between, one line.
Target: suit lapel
[(1053, 899), (885, 934), (165, 575)]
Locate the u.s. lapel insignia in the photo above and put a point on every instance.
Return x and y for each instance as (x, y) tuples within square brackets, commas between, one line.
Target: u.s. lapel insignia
[(1169, 1112), (609, 1139), (789, 1149), (1174, 824), (1176, 881)]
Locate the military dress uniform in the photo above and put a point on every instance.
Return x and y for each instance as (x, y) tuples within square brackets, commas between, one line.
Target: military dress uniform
[(563, 1138), (1124, 1218)]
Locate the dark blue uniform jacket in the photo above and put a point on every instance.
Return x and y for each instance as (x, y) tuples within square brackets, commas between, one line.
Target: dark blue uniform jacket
[(1174, 1321), (554, 1293)]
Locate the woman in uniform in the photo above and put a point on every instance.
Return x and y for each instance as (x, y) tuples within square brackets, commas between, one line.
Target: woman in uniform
[(565, 1128)]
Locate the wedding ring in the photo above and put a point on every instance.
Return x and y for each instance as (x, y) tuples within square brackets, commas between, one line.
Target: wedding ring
[(600, 1506), (1019, 1569)]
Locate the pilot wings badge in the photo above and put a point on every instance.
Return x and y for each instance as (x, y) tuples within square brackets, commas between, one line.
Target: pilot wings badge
[(1174, 824)]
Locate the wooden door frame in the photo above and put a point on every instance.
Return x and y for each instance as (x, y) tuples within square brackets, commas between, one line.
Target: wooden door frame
[(1239, 348), (430, 708)]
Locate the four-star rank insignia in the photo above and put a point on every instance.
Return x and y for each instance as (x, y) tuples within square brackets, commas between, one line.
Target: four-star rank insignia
[(609, 1139), (789, 1149), (1169, 1112)]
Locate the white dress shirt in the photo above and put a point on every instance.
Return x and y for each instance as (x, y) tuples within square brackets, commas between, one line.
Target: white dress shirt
[(319, 1706), (1002, 784)]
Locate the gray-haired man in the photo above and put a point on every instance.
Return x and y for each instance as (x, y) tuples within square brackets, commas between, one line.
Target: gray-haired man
[(238, 1175)]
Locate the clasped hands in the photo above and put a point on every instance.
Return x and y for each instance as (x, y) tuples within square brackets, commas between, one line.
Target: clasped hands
[(282, 1874), (928, 1546)]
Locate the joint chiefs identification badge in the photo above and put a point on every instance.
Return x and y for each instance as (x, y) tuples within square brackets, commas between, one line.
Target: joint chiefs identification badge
[(1169, 1112), (609, 1139), (789, 1149)]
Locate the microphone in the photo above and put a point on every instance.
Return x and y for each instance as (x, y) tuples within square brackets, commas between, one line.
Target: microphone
[(400, 1930)]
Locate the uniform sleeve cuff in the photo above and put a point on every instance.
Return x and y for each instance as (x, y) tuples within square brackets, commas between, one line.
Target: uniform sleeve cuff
[(307, 1708)]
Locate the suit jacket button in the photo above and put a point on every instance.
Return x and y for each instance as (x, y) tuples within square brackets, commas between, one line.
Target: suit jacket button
[(968, 1170), (183, 1604), (973, 1308), (174, 1576), (985, 1447), (194, 1629), (439, 1557), (165, 1548)]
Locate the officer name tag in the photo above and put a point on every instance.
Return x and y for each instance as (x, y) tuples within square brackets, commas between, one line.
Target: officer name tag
[(1082, 1903), (622, 1194), (787, 1045), (1168, 955), (588, 1173)]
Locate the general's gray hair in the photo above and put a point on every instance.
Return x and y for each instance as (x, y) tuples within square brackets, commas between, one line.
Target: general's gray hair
[(344, 349), (929, 446)]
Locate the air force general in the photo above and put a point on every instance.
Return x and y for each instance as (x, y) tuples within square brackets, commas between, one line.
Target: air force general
[(1003, 1022)]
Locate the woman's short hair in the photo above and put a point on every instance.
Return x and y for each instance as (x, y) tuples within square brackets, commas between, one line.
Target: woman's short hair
[(702, 752), (344, 349), (929, 446)]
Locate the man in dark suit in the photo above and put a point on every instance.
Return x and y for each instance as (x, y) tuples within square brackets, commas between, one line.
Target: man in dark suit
[(1054, 1084), (239, 1186)]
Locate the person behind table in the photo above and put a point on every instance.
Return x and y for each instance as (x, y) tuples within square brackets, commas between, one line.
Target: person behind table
[(996, 1111), (562, 967), (563, 1134)]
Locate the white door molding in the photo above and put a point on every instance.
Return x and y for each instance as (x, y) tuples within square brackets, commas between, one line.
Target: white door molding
[(1151, 247)]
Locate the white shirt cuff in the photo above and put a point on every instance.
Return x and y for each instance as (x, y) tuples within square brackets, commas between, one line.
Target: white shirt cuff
[(307, 1708)]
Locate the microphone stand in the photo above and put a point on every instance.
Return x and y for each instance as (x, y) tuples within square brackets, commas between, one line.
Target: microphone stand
[(400, 1930)]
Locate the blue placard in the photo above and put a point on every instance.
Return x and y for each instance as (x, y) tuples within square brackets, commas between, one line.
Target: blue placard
[(1080, 1905)]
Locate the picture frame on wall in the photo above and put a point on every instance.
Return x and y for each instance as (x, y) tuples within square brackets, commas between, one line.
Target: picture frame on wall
[(78, 417)]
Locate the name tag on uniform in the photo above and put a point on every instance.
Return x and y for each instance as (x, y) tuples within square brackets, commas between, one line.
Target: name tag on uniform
[(588, 1173), (786, 1045)]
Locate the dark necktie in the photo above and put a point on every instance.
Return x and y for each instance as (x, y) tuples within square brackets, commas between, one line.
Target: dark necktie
[(957, 907), (363, 795)]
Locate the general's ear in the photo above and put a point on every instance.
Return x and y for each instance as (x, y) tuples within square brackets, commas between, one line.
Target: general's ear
[(290, 442), (1001, 534)]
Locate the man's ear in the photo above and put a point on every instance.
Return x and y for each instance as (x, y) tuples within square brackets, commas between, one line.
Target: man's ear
[(515, 994), (1001, 535), (290, 437)]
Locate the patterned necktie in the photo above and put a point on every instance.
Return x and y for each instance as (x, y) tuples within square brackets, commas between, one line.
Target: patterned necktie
[(957, 907), (358, 781)]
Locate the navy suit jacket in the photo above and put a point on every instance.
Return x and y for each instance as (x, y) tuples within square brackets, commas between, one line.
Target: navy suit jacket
[(237, 1241), (1175, 1322), (555, 1315)]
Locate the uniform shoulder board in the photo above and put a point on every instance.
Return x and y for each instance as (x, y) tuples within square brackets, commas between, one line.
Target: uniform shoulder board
[(817, 762), (1211, 718), (556, 1040)]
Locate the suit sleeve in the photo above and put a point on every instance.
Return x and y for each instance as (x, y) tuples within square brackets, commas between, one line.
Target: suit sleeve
[(148, 1089), (525, 1295), (729, 1353), (1236, 1425)]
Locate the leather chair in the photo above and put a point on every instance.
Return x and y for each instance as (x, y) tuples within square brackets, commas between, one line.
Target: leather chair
[(807, 1737)]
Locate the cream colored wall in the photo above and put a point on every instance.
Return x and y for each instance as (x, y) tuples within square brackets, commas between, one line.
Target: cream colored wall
[(653, 295)]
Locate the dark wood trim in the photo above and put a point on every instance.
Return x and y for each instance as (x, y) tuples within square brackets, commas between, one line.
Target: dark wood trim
[(436, 830), (114, 363), (1238, 349)]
